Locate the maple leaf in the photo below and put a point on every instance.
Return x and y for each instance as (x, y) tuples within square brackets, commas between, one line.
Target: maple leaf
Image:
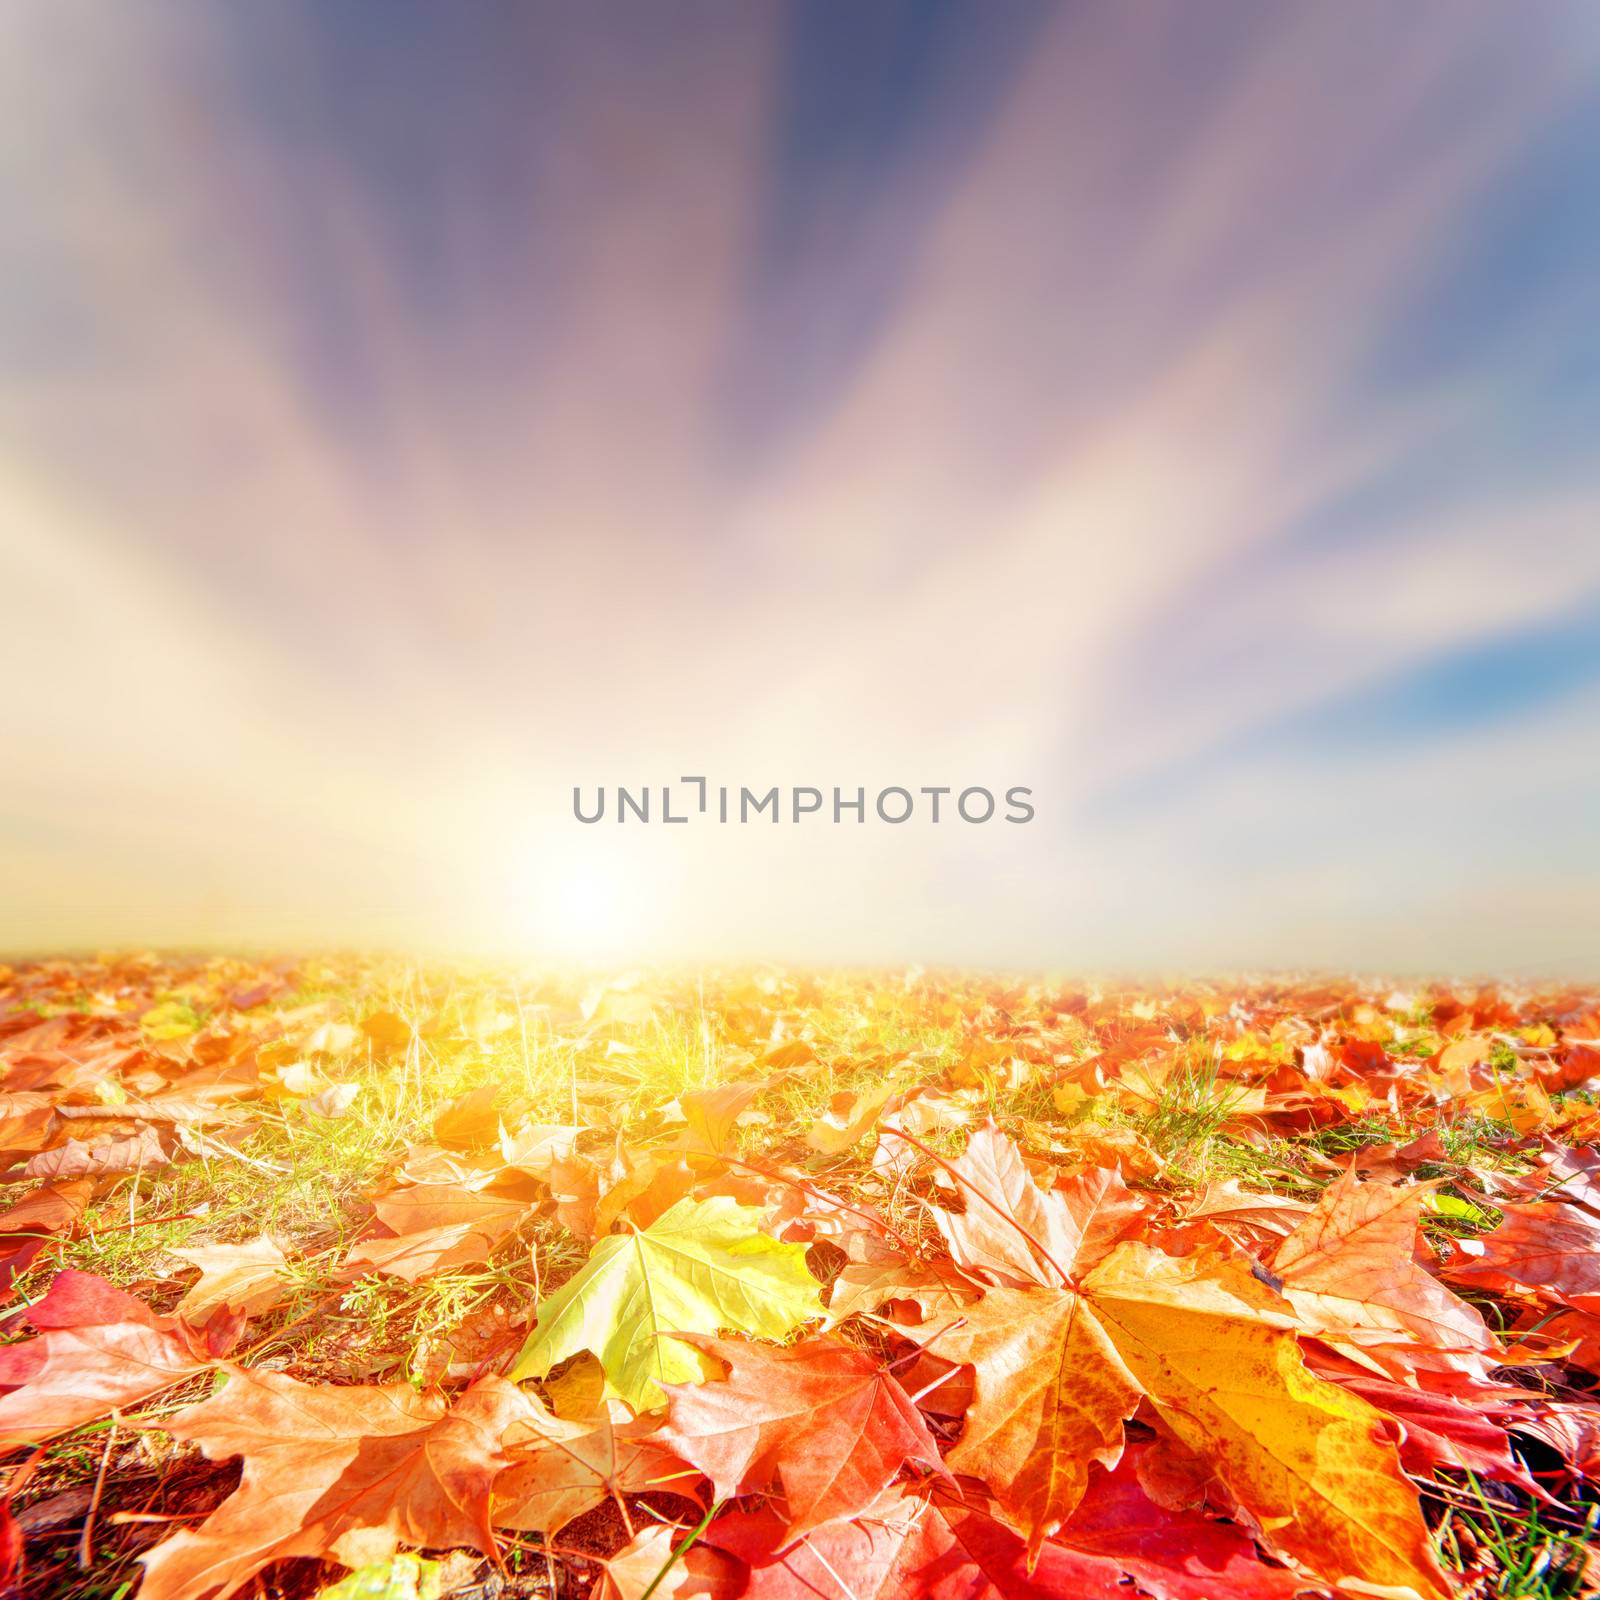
[(82, 1158), (97, 1350), (330, 1039), (1564, 1173), (1572, 1431), (900, 1543), (248, 1277), (702, 1267), (1104, 1211), (471, 1120), (51, 1208), (1307, 1459), (1350, 1272), (1245, 1216), (650, 1188), (867, 1285), (1178, 1555), (172, 1019), (1391, 1161), (1549, 1247), (1010, 1231), (331, 1471), (578, 1390), (849, 1117), (386, 1030), (331, 1103), (787, 1057), (1060, 1367), (26, 1120), (562, 1468), (712, 1115), (821, 1417), (1440, 1429), (534, 1147), (592, 1198), (1050, 1397), (25, 1228), (645, 1566), (435, 1226), (938, 1547)]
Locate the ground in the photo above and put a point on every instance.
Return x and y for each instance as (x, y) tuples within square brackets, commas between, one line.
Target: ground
[(312, 1263)]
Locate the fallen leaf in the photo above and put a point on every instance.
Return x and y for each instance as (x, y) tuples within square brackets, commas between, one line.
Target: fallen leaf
[(1051, 1395), (471, 1121), (97, 1350), (821, 1418), (1459, 1433), (651, 1186), (579, 1388), (645, 1565), (172, 1019), (1247, 1216), (26, 1121), (140, 1152), (51, 1208), (1178, 1555), (1548, 1247), (1010, 1230), (713, 1114), (561, 1469), (937, 1547), (1307, 1459), (535, 1148), (331, 1039), (1350, 1271), (1060, 1366), (331, 1471), (787, 1057), (435, 1226), (386, 1030), (250, 1277), (703, 1267), (850, 1117), (331, 1102)]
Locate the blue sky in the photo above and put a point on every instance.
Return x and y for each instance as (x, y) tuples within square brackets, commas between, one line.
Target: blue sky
[(408, 411)]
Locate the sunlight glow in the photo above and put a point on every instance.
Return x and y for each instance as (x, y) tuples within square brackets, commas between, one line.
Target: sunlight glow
[(581, 900)]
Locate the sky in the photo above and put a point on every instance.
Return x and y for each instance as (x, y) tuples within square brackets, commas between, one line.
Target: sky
[(409, 412)]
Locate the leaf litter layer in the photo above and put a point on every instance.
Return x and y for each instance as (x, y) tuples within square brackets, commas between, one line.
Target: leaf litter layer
[(338, 1278)]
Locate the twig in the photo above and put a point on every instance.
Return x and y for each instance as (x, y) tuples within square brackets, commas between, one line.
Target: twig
[(124, 1519), (218, 1148), (86, 1538)]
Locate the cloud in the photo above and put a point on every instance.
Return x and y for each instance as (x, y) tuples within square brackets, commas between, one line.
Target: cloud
[(404, 424)]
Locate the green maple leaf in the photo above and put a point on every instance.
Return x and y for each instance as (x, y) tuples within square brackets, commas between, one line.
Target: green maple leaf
[(702, 1267)]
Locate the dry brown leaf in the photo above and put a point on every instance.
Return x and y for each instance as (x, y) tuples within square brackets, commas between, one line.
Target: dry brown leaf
[(249, 1277), (341, 1472)]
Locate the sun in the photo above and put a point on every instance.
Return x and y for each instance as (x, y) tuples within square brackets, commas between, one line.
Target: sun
[(574, 901)]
